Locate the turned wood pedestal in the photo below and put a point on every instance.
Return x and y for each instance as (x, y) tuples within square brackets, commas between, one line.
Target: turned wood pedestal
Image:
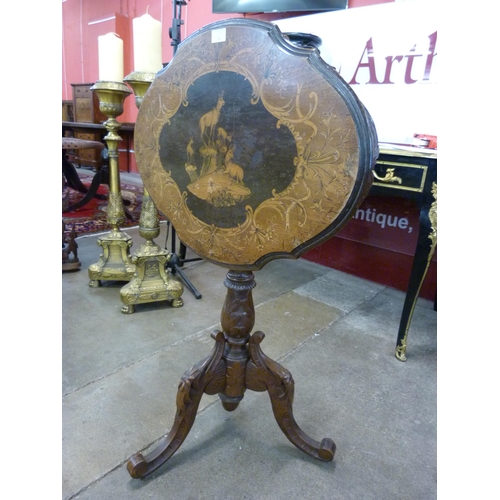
[(236, 363), (254, 149)]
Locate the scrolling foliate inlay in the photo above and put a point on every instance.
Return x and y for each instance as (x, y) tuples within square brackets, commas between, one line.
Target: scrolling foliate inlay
[(264, 161)]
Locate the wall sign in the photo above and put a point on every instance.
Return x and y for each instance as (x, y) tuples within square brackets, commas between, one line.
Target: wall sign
[(388, 53)]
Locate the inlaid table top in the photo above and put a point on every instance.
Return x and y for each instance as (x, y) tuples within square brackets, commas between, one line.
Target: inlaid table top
[(254, 148)]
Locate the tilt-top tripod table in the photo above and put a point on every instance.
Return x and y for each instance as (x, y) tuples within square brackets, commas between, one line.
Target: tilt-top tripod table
[(255, 149)]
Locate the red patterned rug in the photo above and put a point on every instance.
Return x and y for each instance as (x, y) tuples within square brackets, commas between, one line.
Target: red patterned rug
[(91, 218)]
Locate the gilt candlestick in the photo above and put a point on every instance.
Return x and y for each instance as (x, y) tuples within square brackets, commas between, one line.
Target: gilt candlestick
[(140, 83), (115, 262), (151, 281)]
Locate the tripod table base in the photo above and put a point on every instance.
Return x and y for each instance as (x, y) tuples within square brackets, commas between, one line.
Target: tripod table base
[(235, 364)]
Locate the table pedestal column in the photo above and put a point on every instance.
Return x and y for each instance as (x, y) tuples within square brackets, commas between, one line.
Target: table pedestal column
[(236, 364)]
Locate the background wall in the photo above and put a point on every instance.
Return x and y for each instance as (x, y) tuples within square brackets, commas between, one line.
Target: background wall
[(84, 20)]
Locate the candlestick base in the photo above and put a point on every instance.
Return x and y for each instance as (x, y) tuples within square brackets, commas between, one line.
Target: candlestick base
[(115, 263), (151, 281)]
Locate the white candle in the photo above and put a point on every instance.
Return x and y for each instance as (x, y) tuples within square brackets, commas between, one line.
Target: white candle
[(147, 44), (110, 49)]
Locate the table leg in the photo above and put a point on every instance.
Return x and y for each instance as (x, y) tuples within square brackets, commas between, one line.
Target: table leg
[(265, 374), (71, 175), (206, 376), (426, 245), (91, 192)]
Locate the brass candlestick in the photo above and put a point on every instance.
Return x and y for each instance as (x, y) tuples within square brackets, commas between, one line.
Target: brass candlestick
[(151, 281), (140, 83), (115, 262)]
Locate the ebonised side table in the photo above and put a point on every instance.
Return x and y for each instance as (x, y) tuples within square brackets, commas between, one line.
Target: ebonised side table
[(411, 173)]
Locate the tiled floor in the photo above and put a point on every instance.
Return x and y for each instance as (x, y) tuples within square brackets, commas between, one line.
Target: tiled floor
[(335, 333)]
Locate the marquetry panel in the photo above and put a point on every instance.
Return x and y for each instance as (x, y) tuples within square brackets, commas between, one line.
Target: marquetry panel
[(253, 147)]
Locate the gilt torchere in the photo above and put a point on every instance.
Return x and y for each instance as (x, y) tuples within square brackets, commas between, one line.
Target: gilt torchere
[(114, 262), (152, 281), (255, 149)]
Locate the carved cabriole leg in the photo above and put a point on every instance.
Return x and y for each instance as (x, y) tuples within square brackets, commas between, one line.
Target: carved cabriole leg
[(206, 376), (249, 368), (421, 262), (265, 374)]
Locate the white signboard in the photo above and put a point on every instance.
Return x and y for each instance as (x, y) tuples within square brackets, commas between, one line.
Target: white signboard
[(388, 54)]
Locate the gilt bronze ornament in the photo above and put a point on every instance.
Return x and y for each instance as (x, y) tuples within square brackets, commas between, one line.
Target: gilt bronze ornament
[(151, 282), (114, 262)]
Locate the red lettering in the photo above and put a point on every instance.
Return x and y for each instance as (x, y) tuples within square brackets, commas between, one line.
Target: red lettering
[(409, 64), (367, 61), (388, 67), (370, 64), (431, 55)]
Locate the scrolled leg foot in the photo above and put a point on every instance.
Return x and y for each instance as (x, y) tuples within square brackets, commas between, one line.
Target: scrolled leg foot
[(265, 374), (137, 466), (199, 379), (326, 450), (401, 351)]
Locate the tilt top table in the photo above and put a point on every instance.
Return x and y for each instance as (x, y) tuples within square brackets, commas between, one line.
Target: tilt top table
[(255, 149)]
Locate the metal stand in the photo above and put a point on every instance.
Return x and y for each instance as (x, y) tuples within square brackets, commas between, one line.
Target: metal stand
[(175, 263)]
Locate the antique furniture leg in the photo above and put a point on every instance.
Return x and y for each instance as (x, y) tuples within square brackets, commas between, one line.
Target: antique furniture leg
[(236, 363), (206, 376), (71, 175), (426, 246), (411, 174), (73, 180), (91, 193), (69, 246), (265, 374)]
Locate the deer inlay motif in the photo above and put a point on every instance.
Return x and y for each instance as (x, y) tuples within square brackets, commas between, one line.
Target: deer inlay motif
[(209, 120)]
